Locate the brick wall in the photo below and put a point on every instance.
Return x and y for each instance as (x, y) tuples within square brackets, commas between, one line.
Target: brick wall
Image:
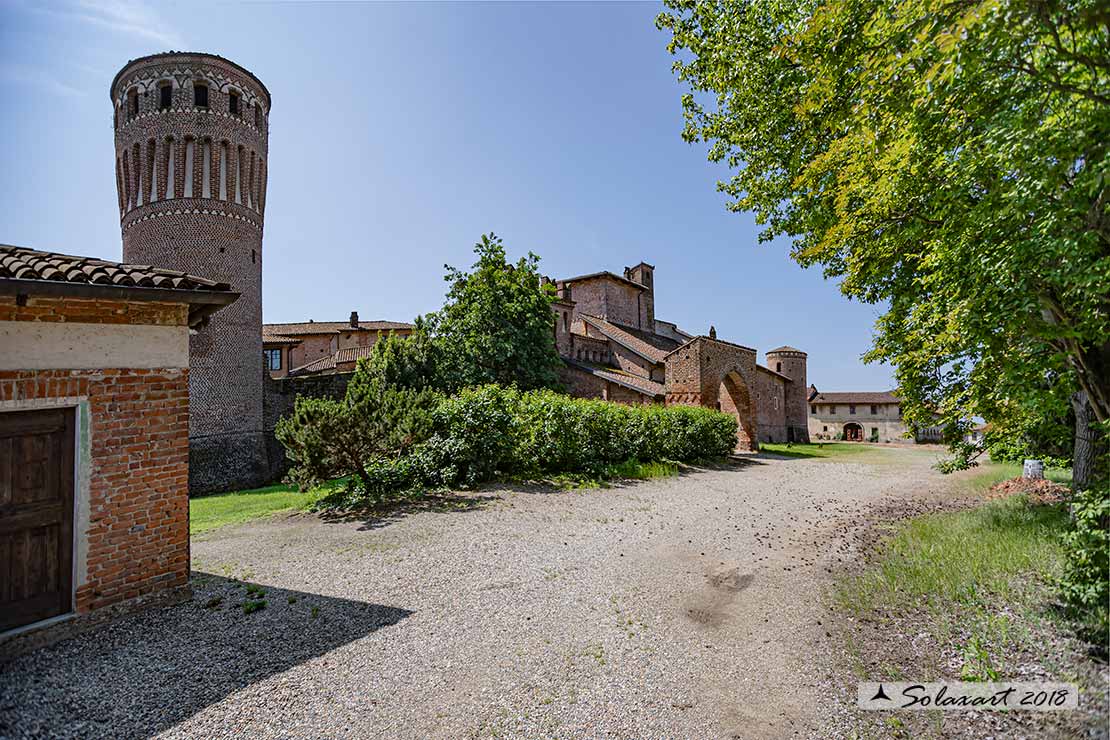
[(191, 185), (717, 375), (313, 347), (93, 311), (770, 404), (132, 528)]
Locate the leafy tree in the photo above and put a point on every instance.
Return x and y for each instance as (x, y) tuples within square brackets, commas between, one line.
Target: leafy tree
[(497, 325), (946, 158), (408, 362)]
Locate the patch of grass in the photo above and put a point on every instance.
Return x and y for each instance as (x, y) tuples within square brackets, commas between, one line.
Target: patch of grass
[(962, 557), (216, 510), (250, 607), (627, 470), (817, 449)]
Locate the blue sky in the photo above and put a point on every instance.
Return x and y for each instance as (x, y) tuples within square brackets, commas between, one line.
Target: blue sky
[(400, 133)]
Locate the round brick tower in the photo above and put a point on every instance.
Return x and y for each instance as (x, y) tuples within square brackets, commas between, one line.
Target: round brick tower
[(191, 168), (791, 362)]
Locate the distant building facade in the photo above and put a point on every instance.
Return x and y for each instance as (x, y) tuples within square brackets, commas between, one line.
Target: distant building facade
[(614, 348), (315, 347), (862, 416)]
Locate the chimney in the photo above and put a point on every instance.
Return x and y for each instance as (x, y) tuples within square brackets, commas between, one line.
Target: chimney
[(712, 332), (354, 319)]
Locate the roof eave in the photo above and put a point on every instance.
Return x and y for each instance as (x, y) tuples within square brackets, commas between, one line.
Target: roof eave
[(202, 303)]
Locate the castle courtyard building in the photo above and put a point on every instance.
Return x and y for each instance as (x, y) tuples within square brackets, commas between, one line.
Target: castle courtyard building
[(614, 348)]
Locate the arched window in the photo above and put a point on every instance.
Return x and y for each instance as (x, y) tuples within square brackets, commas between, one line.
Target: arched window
[(258, 116), (233, 103), (200, 95), (132, 103), (165, 96)]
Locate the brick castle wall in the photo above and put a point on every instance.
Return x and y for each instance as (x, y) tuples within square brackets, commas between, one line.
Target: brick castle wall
[(191, 184)]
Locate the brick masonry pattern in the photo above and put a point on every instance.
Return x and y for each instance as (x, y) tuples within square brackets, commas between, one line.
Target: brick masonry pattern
[(191, 182)]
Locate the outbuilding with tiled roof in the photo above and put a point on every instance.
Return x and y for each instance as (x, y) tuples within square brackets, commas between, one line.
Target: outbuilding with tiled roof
[(94, 433)]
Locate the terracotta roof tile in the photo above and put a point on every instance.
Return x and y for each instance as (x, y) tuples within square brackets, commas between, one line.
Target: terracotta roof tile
[(21, 263), (301, 328), (352, 354), (316, 366), (856, 397), (628, 380), (625, 339)]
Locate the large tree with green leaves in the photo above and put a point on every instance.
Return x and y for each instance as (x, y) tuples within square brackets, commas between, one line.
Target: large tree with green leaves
[(945, 157), (496, 325)]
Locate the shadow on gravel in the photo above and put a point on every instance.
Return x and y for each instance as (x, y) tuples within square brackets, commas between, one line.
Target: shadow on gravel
[(386, 514), (146, 672)]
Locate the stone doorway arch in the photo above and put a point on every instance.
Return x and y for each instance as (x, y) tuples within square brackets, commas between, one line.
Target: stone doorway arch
[(853, 432), (735, 398)]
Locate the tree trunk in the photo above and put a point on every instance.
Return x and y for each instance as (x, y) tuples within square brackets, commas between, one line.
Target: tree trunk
[(1089, 455)]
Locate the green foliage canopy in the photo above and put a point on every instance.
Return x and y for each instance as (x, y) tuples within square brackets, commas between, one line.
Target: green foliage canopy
[(948, 159), (496, 325)]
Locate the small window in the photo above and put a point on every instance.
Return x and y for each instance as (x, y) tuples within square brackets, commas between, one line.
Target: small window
[(233, 103), (813, 410), (875, 433), (874, 410), (832, 410), (824, 429), (165, 96), (273, 358), (778, 367), (566, 322), (200, 95), (851, 409), (132, 103), (258, 116)]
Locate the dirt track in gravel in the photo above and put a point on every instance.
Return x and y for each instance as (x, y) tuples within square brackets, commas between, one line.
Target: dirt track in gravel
[(684, 607)]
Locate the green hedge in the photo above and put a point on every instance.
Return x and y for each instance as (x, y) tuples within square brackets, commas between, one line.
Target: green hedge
[(491, 432)]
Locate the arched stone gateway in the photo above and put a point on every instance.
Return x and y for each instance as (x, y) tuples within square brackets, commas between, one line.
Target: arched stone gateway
[(853, 432), (734, 398), (719, 375)]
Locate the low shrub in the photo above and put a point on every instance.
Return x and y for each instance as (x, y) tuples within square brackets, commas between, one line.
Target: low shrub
[(492, 432), (1084, 583)]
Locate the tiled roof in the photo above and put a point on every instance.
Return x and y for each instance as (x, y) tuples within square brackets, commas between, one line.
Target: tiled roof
[(628, 380), (302, 328), (352, 354), (324, 363), (603, 274), (856, 397), (624, 338), (785, 348), (658, 341), (20, 263), (271, 338)]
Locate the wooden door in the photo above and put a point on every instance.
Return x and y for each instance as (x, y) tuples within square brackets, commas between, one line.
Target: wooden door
[(36, 515)]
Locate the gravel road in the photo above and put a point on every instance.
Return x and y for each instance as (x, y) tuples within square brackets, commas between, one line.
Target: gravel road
[(685, 607)]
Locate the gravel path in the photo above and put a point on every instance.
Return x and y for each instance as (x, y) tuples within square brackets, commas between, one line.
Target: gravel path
[(686, 607)]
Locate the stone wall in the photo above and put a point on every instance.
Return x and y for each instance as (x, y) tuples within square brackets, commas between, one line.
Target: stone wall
[(278, 399)]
